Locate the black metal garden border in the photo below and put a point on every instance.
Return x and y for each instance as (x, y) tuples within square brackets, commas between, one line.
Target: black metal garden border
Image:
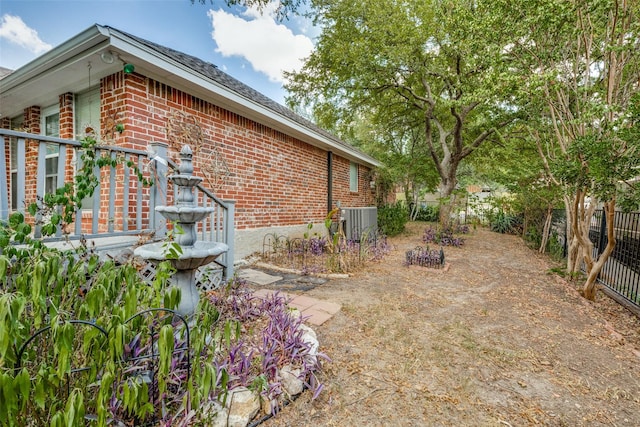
[(153, 355)]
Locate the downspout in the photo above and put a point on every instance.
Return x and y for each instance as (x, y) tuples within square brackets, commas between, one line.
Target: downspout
[(329, 181)]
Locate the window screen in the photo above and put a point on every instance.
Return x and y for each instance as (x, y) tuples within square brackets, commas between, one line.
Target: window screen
[(353, 177)]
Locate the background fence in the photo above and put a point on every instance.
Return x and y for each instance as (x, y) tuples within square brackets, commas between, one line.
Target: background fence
[(621, 272)]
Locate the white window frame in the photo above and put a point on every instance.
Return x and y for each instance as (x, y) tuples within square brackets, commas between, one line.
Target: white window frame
[(53, 150), (79, 127), (353, 177)]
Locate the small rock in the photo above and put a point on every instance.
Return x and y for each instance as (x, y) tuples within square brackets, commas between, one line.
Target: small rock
[(295, 313), (290, 379), (243, 406), (269, 406), (309, 336), (308, 330), (214, 415)]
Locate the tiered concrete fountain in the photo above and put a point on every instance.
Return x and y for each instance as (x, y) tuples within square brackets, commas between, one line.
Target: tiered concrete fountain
[(186, 213)]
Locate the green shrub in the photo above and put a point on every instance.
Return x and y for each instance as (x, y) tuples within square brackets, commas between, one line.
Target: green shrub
[(428, 214), (505, 223), (392, 219), (62, 312), (533, 236), (555, 246)]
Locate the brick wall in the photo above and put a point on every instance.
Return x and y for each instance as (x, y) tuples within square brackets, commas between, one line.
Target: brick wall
[(275, 179), (5, 123)]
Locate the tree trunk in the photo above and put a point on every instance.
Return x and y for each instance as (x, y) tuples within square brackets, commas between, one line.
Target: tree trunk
[(573, 253), (545, 230), (573, 256), (591, 285), (446, 202)]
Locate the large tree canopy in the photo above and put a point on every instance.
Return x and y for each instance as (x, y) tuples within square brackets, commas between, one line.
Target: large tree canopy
[(438, 65), (405, 159)]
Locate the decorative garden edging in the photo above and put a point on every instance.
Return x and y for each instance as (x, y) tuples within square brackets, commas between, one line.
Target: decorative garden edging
[(425, 257), (141, 362), (273, 267)]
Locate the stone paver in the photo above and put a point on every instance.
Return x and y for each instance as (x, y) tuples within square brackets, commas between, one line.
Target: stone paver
[(315, 317), (257, 277), (302, 301), (327, 306), (316, 311)]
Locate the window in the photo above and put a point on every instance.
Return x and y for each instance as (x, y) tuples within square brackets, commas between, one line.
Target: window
[(353, 177), (87, 112), (87, 115), (50, 126)]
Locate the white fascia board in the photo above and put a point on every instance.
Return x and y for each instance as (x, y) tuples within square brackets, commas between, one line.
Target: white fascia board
[(233, 101), (64, 53)]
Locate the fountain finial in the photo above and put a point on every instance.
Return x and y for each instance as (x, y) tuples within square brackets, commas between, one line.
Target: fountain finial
[(186, 163)]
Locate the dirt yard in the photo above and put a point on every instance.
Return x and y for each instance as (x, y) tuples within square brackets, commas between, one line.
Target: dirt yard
[(497, 340)]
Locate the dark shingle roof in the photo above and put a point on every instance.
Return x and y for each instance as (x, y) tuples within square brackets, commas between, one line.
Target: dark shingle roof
[(212, 72)]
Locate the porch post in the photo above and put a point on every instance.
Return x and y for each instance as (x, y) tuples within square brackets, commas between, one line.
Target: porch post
[(159, 188), (4, 191), (229, 232)]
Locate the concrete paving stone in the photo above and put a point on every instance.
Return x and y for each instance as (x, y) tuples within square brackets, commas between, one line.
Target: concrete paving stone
[(315, 311), (298, 307), (329, 307), (258, 277), (262, 293), (315, 317), (303, 301)]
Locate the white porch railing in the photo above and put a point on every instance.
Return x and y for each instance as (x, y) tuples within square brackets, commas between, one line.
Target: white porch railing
[(31, 164)]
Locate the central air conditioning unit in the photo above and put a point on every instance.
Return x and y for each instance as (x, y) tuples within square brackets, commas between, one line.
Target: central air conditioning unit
[(360, 223)]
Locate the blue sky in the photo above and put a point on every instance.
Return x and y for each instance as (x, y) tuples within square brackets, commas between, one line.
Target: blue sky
[(252, 47)]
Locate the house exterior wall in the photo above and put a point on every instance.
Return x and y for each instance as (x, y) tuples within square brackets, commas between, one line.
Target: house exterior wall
[(32, 125), (275, 179)]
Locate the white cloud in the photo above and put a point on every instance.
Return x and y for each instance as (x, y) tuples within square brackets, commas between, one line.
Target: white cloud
[(269, 46), (16, 31)]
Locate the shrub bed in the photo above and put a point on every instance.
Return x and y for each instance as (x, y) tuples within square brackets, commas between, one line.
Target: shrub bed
[(87, 339)]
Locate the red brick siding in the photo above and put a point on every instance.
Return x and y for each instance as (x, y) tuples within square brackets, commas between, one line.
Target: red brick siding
[(276, 180), (32, 125), (66, 130), (5, 123)]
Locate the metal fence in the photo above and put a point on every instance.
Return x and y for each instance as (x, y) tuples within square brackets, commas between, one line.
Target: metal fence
[(140, 362), (621, 272)]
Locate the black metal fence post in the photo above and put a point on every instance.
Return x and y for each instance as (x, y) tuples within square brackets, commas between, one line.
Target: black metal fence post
[(602, 238)]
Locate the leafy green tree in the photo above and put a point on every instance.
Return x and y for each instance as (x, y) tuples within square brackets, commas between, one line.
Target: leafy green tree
[(579, 67), (283, 9), (436, 64), (401, 150), (516, 166)]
